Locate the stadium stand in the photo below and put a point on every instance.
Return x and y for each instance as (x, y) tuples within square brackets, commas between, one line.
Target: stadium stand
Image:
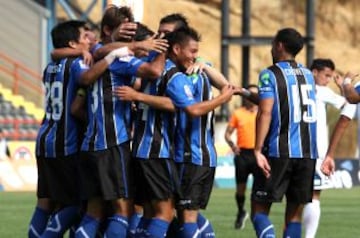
[(16, 123)]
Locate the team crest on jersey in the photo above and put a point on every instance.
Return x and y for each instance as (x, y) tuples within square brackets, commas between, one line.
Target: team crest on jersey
[(188, 92), (264, 79)]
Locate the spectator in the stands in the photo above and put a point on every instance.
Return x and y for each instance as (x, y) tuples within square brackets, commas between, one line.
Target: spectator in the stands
[(4, 148)]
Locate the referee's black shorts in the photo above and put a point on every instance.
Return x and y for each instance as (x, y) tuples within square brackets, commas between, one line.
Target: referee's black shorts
[(245, 164)]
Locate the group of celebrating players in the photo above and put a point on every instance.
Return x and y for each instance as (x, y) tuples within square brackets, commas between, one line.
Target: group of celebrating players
[(126, 146), (128, 129)]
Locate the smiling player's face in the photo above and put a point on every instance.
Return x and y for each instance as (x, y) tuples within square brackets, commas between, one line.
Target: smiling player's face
[(187, 53)]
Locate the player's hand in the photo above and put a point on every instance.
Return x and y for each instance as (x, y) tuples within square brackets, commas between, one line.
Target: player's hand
[(240, 91), (328, 166), (263, 163), (236, 150), (125, 31), (351, 75), (195, 68), (125, 93), (121, 52), (338, 80), (117, 53), (154, 44), (87, 58)]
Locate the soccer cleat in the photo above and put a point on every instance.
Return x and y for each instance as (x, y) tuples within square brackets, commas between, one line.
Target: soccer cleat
[(241, 219)]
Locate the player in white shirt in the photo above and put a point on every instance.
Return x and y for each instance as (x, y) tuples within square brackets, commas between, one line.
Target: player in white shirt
[(352, 94), (323, 71)]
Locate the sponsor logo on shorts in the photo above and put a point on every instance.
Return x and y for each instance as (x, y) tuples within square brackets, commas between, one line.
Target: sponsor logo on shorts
[(185, 202), (261, 193)]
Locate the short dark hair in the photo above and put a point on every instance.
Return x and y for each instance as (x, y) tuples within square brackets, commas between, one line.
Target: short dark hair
[(142, 32), (320, 64), (177, 18), (65, 32), (182, 36), (292, 40), (114, 16)]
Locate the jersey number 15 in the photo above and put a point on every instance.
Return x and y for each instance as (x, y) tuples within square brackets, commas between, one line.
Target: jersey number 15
[(309, 114)]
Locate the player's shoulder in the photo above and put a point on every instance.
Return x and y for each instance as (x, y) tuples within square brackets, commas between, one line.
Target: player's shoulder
[(324, 91), (266, 73)]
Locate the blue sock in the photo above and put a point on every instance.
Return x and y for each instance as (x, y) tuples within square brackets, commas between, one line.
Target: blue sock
[(263, 226), (87, 228), (117, 227), (157, 228), (133, 224), (142, 226), (293, 230), (189, 230), (205, 227), (38, 223), (60, 222)]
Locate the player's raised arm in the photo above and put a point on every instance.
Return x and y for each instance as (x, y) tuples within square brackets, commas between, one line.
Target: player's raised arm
[(99, 68)]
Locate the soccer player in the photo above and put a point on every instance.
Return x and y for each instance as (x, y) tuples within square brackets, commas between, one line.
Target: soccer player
[(285, 147), (243, 122), (352, 95), (57, 140), (194, 142), (156, 180), (323, 71), (106, 166)]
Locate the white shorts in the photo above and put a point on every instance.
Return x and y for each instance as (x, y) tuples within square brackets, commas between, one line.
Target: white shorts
[(321, 181)]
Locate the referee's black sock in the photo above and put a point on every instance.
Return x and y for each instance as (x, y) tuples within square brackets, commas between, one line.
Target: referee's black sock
[(240, 200)]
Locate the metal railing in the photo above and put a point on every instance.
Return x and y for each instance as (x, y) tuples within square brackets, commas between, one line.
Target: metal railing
[(22, 80)]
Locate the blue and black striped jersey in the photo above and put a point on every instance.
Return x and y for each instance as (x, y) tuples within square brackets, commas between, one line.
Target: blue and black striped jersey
[(292, 132), (194, 141), (58, 134), (154, 129), (109, 117)]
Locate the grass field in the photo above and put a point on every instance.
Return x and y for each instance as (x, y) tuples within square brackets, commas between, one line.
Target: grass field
[(340, 214)]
